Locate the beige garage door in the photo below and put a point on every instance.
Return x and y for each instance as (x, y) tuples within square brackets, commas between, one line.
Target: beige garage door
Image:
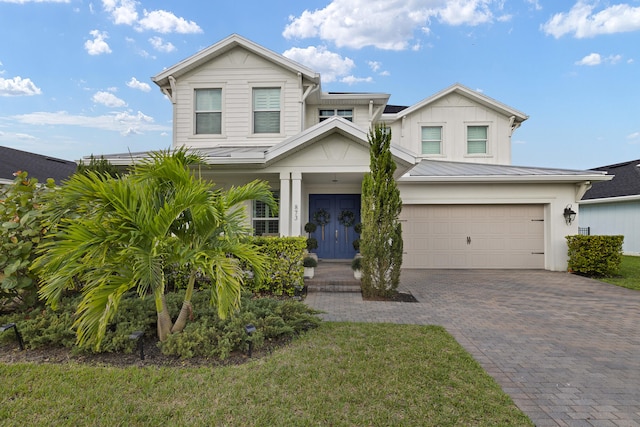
[(473, 236)]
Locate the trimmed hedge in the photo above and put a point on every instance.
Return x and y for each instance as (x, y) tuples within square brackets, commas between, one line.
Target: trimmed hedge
[(284, 271), (595, 256)]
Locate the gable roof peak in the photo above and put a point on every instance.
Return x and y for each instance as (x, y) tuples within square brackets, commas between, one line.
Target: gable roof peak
[(225, 45)]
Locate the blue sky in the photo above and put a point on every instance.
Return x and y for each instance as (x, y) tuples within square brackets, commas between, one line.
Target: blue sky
[(75, 75)]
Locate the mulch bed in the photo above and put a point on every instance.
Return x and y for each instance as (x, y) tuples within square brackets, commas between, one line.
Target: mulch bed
[(11, 353), (395, 297)]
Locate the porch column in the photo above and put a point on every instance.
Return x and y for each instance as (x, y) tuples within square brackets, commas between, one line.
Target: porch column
[(284, 210), (296, 203)]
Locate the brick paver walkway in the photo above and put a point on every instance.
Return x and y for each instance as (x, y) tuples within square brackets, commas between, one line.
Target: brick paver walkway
[(565, 348)]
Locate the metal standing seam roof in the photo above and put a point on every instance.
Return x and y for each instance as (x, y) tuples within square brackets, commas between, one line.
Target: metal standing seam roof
[(437, 168)]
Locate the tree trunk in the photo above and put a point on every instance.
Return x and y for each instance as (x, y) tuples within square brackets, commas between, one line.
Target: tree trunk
[(164, 320), (186, 312)]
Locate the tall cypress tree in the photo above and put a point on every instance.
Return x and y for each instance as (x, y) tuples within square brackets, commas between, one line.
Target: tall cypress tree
[(381, 239)]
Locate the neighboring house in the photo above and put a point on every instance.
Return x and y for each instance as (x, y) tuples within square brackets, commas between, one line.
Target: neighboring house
[(37, 165), (254, 114), (613, 207)]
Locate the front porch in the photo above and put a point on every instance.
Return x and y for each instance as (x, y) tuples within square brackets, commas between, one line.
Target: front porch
[(333, 276)]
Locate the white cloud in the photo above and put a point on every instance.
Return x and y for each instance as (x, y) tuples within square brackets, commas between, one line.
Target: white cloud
[(34, 1), (535, 4), (374, 65), (351, 80), (122, 11), (582, 22), (160, 45), (18, 86), (135, 84), (385, 24), (634, 135), (329, 64), (108, 99), (597, 59), (162, 21), (98, 45), (591, 59), (118, 122)]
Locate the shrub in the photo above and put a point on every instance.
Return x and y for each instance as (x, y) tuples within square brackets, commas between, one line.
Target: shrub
[(356, 263), (309, 262), (20, 234), (207, 335), (284, 270), (312, 243), (595, 256), (310, 227)]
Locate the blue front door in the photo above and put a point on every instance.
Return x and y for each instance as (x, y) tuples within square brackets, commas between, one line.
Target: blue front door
[(335, 215)]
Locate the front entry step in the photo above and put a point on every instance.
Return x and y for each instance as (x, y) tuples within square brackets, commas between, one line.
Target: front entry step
[(333, 276)]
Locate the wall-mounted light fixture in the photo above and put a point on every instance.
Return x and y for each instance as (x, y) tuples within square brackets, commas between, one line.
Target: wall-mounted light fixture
[(569, 215)]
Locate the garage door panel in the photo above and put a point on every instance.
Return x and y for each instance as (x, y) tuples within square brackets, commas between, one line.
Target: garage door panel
[(473, 236)]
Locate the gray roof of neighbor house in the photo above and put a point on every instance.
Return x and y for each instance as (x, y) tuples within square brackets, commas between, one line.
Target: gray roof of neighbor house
[(37, 165), (626, 181)]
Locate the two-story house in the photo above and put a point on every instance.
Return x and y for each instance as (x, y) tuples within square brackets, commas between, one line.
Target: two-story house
[(255, 114)]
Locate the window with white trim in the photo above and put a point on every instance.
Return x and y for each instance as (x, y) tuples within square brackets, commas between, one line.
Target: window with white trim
[(266, 110), (208, 111), (477, 139), (346, 114), (431, 140), (264, 219)]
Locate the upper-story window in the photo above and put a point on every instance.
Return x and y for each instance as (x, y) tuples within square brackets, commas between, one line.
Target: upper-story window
[(477, 139), (266, 110), (344, 113), (432, 140), (208, 111)]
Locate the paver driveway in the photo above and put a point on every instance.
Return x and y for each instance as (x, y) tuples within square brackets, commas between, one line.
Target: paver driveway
[(564, 347)]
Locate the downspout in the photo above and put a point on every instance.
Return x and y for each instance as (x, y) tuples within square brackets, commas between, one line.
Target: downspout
[(303, 104)]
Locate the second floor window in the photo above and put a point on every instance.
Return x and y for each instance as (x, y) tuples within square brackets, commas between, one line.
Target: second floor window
[(208, 111), (477, 139), (432, 140), (346, 114), (266, 110)]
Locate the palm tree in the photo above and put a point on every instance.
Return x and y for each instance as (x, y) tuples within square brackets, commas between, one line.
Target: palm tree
[(124, 232)]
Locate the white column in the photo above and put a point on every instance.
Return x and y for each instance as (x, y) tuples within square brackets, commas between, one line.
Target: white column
[(285, 204), (296, 203)]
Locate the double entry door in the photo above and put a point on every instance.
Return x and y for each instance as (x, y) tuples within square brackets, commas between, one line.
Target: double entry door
[(335, 216)]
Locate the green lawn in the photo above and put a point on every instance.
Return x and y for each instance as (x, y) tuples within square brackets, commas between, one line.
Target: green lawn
[(629, 273), (341, 374)]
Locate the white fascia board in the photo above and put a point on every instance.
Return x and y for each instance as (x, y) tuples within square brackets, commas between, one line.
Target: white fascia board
[(502, 179), (223, 46), (618, 199), (476, 96)]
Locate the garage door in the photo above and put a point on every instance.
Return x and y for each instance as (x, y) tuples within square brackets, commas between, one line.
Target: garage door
[(473, 236)]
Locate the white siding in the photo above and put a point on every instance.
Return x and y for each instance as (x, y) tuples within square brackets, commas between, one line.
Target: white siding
[(237, 72), (622, 218), (454, 113)]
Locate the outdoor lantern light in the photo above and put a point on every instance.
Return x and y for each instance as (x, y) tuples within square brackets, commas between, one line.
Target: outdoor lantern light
[(569, 215), (137, 336), (250, 329), (15, 328)]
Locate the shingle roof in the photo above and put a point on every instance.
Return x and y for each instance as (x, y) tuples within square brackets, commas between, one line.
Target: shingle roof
[(37, 165), (626, 181)]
